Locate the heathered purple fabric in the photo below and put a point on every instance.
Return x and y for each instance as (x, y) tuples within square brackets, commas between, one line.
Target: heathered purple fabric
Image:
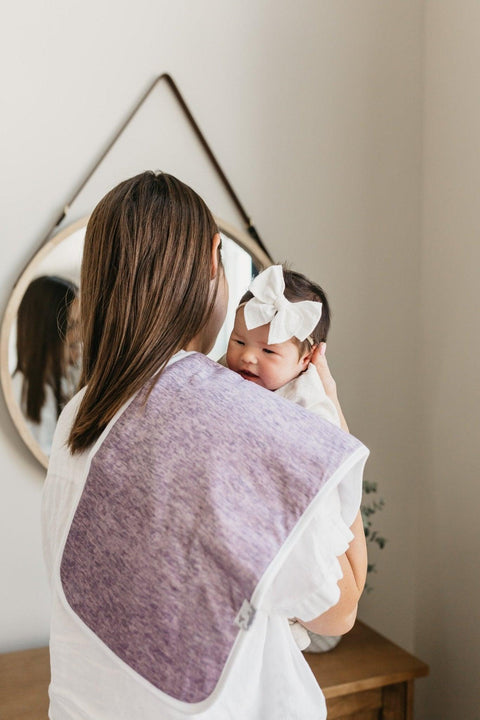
[(187, 501)]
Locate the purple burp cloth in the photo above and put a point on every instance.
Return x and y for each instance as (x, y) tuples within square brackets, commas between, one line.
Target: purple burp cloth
[(187, 501)]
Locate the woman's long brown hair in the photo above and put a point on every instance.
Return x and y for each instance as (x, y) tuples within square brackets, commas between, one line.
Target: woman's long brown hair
[(145, 291)]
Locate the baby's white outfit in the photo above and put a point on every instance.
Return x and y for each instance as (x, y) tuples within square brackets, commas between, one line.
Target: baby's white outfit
[(307, 391)]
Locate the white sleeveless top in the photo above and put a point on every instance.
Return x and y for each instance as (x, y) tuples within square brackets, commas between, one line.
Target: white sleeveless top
[(95, 675)]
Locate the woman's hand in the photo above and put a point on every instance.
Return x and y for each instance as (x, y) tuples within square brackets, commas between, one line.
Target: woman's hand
[(319, 359)]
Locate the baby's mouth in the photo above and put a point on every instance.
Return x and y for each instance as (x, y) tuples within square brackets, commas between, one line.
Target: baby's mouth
[(247, 375)]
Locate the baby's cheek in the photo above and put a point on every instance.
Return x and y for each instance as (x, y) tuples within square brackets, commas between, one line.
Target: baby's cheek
[(229, 358)]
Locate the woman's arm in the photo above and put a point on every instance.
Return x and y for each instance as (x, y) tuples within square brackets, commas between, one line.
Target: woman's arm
[(340, 618), (319, 359)]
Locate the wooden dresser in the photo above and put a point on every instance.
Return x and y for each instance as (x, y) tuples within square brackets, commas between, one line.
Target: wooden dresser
[(365, 677)]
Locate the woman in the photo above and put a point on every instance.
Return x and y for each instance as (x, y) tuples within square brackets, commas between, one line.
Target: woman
[(186, 512)]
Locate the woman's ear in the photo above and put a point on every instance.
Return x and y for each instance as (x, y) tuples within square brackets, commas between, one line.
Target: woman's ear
[(216, 241)]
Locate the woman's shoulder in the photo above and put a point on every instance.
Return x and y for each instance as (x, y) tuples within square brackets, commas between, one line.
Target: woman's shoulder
[(64, 424), (71, 408)]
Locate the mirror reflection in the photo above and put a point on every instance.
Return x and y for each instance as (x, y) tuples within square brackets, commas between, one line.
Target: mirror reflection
[(47, 354), (41, 344)]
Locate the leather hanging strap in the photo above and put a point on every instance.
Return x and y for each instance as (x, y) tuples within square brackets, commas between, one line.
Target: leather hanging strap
[(194, 125)]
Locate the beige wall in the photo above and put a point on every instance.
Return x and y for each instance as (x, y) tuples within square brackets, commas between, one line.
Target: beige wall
[(351, 172), (448, 594), (314, 111)]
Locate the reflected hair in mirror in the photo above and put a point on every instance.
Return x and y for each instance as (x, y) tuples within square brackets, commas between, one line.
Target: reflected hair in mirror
[(145, 291), (42, 323)]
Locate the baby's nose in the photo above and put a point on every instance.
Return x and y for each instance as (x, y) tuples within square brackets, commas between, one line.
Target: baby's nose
[(249, 355)]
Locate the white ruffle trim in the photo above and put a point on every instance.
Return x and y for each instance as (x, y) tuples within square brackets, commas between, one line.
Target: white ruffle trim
[(307, 584)]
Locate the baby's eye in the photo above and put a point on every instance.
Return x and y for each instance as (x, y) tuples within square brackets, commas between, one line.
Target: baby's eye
[(269, 352), (239, 342)]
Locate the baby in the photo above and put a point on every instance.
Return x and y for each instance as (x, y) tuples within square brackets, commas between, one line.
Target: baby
[(278, 324)]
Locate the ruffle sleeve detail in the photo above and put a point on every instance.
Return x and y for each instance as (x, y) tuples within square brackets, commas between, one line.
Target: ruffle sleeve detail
[(307, 583)]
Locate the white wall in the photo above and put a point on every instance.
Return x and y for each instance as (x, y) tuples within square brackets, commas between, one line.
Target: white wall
[(447, 627), (315, 111)]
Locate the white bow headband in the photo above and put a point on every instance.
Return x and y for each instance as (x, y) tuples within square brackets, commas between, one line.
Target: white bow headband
[(269, 305)]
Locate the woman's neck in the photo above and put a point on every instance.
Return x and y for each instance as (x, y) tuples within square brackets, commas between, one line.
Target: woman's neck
[(195, 345)]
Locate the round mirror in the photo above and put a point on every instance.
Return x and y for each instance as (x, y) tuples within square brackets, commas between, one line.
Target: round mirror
[(41, 352)]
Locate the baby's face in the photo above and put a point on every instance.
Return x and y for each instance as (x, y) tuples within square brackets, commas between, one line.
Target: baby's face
[(250, 355)]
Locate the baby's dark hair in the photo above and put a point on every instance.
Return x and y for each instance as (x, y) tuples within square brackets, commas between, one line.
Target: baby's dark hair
[(297, 288)]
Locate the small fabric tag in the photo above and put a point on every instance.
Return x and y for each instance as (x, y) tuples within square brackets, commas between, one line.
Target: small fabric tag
[(246, 615)]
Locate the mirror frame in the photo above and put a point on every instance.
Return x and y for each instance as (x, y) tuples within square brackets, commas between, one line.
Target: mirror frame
[(243, 239)]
